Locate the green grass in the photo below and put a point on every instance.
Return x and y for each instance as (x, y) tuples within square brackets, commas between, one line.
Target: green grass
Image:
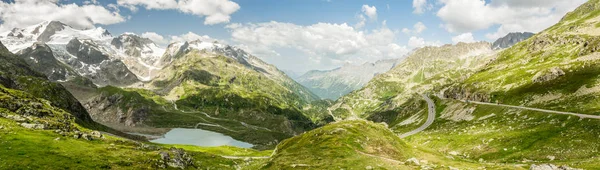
[(346, 144), (526, 135)]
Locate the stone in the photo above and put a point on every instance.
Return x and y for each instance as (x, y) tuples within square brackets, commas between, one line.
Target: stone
[(413, 161), (76, 135), (86, 136), (57, 139), (16, 118), (97, 134), (369, 167), (33, 126), (164, 156)]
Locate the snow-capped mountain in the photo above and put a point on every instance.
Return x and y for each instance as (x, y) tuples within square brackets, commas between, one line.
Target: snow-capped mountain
[(92, 53), (332, 84)]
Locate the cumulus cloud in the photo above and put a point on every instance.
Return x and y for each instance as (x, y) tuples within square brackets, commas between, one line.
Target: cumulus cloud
[(213, 11), (190, 36), (418, 42), (370, 11), (465, 37), (158, 39), (421, 6), (361, 21), (418, 28), (461, 16), (22, 13), (321, 42)]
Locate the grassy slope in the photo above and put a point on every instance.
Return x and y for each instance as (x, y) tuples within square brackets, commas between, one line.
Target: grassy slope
[(27, 148), (570, 45)]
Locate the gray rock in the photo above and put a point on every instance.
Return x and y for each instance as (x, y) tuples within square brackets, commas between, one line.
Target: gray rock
[(413, 161), (16, 118), (33, 126), (164, 156), (511, 39), (87, 137), (97, 134)]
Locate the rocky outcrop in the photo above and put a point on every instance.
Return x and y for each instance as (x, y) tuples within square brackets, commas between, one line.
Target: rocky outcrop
[(511, 39), (175, 158), (110, 109), (460, 93), (40, 58), (549, 75)]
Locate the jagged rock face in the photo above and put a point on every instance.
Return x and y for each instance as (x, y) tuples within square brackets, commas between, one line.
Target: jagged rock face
[(105, 109), (511, 39), (40, 58), (173, 51), (140, 55), (51, 29), (16, 74), (85, 52), (333, 84), (131, 44), (88, 60)]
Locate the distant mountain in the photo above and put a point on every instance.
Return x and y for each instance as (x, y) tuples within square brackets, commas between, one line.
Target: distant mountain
[(422, 70), (511, 39), (332, 84), (64, 53)]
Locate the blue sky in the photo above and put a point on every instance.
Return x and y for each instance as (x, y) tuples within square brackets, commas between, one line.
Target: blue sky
[(301, 35)]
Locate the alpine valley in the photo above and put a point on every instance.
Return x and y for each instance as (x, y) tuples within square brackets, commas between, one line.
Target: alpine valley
[(73, 98)]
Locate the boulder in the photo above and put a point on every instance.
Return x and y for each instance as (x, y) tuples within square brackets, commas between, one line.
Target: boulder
[(33, 126), (97, 134), (86, 136), (413, 161)]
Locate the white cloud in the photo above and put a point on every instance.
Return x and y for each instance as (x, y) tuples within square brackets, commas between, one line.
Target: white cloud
[(214, 11), (462, 16), (22, 13), (421, 6), (158, 39), (361, 21), (319, 43), (418, 28), (418, 42), (370, 11), (190, 36), (465, 37)]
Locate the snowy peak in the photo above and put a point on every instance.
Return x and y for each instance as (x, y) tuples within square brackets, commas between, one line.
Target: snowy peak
[(49, 32), (136, 46)]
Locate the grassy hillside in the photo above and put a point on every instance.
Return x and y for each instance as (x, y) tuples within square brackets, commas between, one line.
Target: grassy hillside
[(34, 134), (556, 69)]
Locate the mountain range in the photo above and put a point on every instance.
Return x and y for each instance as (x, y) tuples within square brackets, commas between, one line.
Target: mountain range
[(66, 94), (129, 81), (332, 84)]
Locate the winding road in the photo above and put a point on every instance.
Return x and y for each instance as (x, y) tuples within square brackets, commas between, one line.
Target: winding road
[(536, 109), (430, 118)]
